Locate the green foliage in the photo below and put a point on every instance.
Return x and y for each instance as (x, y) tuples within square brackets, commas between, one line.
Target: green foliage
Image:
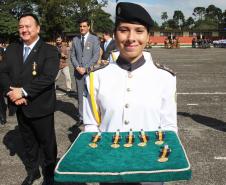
[(213, 13), (199, 12), (189, 23), (205, 25), (171, 24), (60, 16), (56, 16), (8, 25), (164, 16), (178, 18), (205, 19), (224, 14), (102, 22)]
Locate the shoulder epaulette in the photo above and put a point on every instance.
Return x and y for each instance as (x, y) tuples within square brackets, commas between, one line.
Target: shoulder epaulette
[(160, 66), (97, 66)]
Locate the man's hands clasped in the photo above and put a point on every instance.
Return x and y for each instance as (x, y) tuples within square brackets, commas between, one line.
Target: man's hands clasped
[(16, 95)]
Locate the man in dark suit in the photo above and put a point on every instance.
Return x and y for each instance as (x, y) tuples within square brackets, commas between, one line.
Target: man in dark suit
[(84, 53), (2, 100), (28, 72), (108, 45)]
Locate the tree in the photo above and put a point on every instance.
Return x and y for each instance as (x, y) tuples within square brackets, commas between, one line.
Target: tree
[(102, 22), (86, 8), (164, 16), (189, 23), (8, 26), (56, 16), (205, 25), (224, 14), (178, 17), (199, 12), (172, 24), (214, 13), (155, 25), (53, 17), (10, 10)]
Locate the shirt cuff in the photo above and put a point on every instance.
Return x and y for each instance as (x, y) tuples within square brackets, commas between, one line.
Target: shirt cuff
[(90, 128), (24, 93)]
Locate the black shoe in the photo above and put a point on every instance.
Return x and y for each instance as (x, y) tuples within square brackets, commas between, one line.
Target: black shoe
[(48, 181), (70, 93), (2, 121), (31, 178), (79, 123)]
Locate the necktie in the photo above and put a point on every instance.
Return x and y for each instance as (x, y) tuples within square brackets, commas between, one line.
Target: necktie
[(105, 45), (82, 43), (26, 52)]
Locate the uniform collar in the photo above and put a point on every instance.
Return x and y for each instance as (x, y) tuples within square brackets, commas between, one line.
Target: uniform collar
[(124, 64)]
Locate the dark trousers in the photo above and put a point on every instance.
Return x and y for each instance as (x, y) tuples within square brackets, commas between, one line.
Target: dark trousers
[(80, 84), (2, 107), (38, 133)]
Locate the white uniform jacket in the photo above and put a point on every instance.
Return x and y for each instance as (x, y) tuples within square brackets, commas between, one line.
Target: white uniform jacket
[(141, 99)]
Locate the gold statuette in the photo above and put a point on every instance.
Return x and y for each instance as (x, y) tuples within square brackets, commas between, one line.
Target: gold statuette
[(164, 153), (159, 137), (95, 140), (143, 138), (116, 139), (34, 72), (129, 139)]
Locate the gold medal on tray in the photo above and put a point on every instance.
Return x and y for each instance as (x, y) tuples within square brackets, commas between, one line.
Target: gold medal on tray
[(143, 138), (160, 135), (116, 140), (164, 154), (129, 139), (93, 145), (95, 139)]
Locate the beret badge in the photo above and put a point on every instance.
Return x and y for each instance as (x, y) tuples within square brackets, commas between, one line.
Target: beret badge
[(118, 11)]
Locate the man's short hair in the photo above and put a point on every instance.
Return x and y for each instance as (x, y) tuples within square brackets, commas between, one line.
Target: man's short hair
[(107, 32), (31, 15), (84, 20), (59, 36)]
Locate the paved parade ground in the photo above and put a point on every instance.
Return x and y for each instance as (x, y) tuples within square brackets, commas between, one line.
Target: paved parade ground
[(201, 100)]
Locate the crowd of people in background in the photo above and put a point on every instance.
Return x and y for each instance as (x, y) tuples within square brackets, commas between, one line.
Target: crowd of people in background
[(219, 43), (201, 42), (172, 42)]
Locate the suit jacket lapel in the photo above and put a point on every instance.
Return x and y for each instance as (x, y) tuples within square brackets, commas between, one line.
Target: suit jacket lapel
[(20, 53), (109, 45), (80, 43)]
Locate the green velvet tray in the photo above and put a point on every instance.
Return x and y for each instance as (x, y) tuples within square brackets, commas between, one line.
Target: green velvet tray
[(81, 163)]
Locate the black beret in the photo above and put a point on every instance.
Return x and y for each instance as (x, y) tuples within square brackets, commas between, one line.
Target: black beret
[(133, 13)]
